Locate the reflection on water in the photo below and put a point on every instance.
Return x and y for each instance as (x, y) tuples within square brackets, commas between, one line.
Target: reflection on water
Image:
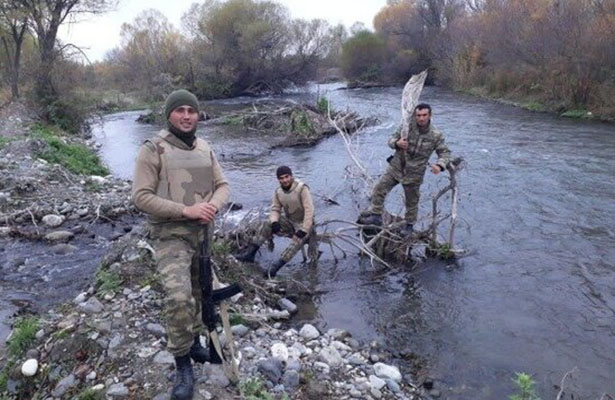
[(537, 293)]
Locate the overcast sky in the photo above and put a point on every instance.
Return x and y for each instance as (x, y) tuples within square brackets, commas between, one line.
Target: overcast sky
[(97, 35)]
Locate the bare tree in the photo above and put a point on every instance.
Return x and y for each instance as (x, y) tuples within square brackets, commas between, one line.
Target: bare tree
[(14, 20), (46, 17)]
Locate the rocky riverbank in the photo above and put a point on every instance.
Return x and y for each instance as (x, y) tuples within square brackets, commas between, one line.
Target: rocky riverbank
[(110, 343)]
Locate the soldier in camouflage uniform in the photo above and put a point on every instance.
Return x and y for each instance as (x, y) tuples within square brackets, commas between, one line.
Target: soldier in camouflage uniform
[(292, 196), (407, 166), (179, 183)]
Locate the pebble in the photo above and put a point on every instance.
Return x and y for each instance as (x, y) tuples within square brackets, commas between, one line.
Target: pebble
[(117, 390), (52, 220), (29, 367), (287, 305), (59, 236), (279, 351), (385, 372), (91, 306)]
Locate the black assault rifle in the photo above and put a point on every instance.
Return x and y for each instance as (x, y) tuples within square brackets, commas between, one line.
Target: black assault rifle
[(210, 297)]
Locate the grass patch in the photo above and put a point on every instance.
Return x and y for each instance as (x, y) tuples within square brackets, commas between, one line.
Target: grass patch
[(76, 158), (301, 123), (107, 282), (575, 114), (533, 106), (4, 377), (221, 248), (254, 389), (93, 187), (89, 394), (233, 120), (4, 141), (237, 319), (525, 385), (443, 251), (23, 335), (323, 105)]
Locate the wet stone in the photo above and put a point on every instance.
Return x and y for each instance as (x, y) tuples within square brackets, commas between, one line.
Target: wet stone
[(271, 369), (240, 330), (117, 390), (156, 329), (309, 332), (59, 236), (63, 249), (52, 220), (63, 386), (291, 379)]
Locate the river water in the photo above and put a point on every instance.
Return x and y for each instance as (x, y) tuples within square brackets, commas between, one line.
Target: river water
[(536, 293)]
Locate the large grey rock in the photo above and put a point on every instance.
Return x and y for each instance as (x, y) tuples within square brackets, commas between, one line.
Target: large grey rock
[(118, 390), (59, 236), (64, 385), (287, 305), (271, 369), (81, 297), (240, 330), (215, 375), (385, 372), (279, 351), (290, 379), (376, 382), (156, 329), (91, 306), (164, 357), (309, 332), (331, 357), (52, 220)]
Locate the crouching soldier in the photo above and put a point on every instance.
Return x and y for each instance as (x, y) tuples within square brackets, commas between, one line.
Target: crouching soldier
[(297, 222)]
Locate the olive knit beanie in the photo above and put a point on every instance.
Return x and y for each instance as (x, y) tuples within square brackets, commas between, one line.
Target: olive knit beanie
[(283, 170), (178, 98)]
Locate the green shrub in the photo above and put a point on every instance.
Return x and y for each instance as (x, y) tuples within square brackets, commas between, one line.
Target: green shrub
[(575, 114), (23, 335), (323, 105), (253, 389), (525, 384), (75, 157), (4, 141), (107, 282)]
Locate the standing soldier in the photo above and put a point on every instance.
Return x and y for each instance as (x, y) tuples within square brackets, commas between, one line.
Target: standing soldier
[(179, 183), (297, 222), (407, 166)]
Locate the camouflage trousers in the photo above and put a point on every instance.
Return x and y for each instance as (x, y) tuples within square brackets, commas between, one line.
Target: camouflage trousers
[(177, 262), (411, 193), (288, 229)]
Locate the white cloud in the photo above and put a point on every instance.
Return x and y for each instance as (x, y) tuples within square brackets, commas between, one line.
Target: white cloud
[(99, 34)]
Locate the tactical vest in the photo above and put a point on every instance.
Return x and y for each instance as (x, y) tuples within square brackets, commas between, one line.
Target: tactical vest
[(185, 176), (291, 201)]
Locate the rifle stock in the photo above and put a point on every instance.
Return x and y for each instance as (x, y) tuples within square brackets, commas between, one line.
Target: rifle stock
[(210, 296)]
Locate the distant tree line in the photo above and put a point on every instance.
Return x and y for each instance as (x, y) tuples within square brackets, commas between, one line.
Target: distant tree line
[(222, 49), (560, 53)]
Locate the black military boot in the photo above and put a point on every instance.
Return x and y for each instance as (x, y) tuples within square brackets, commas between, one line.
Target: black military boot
[(247, 254), (275, 267), (184, 379), (370, 219), (407, 230), (197, 352)]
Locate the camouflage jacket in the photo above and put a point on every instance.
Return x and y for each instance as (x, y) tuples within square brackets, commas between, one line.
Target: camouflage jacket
[(420, 148)]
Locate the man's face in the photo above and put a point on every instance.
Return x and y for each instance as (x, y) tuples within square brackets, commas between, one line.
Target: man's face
[(422, 116), (184, 118), (286, 181)]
